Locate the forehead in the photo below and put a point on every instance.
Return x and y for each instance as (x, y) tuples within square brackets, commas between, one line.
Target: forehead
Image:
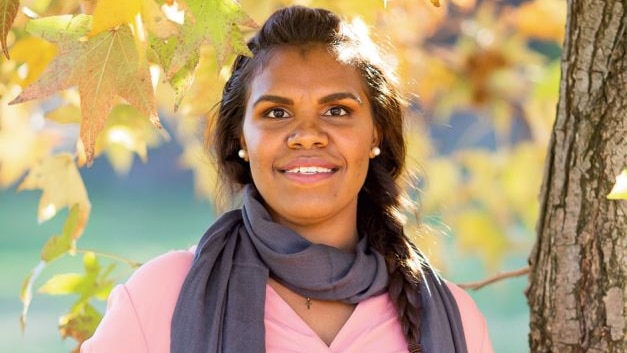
[(301, 69)]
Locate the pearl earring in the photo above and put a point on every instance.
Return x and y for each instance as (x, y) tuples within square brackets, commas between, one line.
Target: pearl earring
[(375, 151), (242, 154)]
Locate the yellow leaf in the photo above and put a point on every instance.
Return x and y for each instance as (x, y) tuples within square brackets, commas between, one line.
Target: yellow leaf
[(483, 172), (365, 9), (205, 174), (109, 14), (60, 244), (66, 114), (126, 132), (518, 185), (8, 11), (465, 4), (553, 19), (418, 148), (208, 81), (22, 52), (62, 186), (26, 293), (21, 146), (104, 67), (156, 21), (66, 283), (442, 185), (80, 323), (619, 191), (478, 233)]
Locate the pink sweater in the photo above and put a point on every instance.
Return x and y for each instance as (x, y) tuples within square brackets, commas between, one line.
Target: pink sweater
[(139, 313)]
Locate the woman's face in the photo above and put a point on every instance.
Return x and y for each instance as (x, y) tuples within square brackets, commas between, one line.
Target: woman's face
[(309, 131)]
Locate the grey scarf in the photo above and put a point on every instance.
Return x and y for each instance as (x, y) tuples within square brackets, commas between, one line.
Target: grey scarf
[(220, 308)]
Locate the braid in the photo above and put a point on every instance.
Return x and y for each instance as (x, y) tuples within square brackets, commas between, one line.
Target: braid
[(386, 235)]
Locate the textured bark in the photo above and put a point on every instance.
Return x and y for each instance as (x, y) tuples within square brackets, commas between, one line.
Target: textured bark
[(577, 295)]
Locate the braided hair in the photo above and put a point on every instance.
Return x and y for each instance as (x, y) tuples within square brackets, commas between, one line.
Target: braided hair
[(379, 198)]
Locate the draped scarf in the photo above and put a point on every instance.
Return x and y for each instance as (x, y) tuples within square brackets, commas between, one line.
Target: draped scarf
[(220, 308)]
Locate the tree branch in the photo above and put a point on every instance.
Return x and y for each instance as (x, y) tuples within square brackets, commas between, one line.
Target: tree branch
[(498, 277), (131, 263)]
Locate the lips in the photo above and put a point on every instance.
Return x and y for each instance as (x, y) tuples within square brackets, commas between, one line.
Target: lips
[(309, 170), (308, 167)]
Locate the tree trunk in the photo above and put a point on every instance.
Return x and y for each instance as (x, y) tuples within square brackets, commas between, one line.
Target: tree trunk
[(577, 295)]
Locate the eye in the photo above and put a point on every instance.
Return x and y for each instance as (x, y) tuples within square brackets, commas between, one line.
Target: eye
[(336, 111), (276, 113)]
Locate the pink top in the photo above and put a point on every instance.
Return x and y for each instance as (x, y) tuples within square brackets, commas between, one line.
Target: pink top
[(139, 313)]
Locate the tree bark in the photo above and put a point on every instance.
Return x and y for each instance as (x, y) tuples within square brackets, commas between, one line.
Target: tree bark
[(577, 295)]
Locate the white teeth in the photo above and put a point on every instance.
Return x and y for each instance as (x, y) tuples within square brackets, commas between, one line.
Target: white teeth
[(309, 170)]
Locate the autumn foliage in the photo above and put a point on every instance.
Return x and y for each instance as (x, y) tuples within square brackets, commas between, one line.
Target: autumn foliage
[(117, 68)]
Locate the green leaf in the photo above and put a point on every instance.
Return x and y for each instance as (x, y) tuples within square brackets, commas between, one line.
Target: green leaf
[(8, 11), (619, 191), (104, 285), (182, 79), (57, 28), (90, 262), (80, 323), (66, 283), (26, 293), (58, 245), (208, 21)]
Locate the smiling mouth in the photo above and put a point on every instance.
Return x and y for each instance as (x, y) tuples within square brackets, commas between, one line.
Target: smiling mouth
[(309, 170)]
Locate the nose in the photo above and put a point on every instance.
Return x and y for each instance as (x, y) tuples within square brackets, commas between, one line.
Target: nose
[(307, 135)]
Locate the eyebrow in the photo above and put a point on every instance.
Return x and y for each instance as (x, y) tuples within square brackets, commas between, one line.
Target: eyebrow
[(326, 99)]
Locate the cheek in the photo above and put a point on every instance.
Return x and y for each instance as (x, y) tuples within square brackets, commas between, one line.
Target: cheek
[(259, 151)]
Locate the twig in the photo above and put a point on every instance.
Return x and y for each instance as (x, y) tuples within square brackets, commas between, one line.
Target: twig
[(131, 263), (498, 277)]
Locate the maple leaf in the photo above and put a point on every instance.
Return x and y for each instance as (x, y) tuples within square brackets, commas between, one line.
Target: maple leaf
[(125, 133), (22, 52), (21, 146), (105, 66), (58, 177), (110, 14), (209, 21), (206, 87), (619, 190), (8, 11)]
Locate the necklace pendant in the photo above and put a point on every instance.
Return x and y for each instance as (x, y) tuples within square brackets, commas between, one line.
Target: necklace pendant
[(308, 302)]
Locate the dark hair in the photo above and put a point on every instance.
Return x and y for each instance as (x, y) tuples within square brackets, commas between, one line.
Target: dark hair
[(379, 198)]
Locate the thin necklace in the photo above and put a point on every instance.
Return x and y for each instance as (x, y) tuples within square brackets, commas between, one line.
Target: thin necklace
[(308, 302)]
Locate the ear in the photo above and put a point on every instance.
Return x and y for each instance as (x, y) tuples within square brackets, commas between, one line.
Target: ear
[(242, 142), (376, 140)]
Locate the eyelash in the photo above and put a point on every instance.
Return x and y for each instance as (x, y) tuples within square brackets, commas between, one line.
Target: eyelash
[(346, 110), (286, 114), (270, 111)]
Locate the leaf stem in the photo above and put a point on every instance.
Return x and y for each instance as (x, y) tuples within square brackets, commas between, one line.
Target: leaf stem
[(499, 277), (129, 262)]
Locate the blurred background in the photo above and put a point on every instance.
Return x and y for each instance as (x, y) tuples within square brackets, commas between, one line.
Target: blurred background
[(482, 82)]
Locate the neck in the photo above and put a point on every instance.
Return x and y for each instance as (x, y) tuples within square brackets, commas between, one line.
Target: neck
[(345, 240), (338, 233)]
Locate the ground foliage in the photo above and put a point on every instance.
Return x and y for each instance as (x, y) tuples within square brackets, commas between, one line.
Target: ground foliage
[(114, 67)]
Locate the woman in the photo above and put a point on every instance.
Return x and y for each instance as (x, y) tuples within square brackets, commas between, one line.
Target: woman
[(310, 129)]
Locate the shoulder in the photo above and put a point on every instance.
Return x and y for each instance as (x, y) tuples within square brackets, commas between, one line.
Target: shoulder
[(139, 312), (155, 286), (473, 321), (169, 268)]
